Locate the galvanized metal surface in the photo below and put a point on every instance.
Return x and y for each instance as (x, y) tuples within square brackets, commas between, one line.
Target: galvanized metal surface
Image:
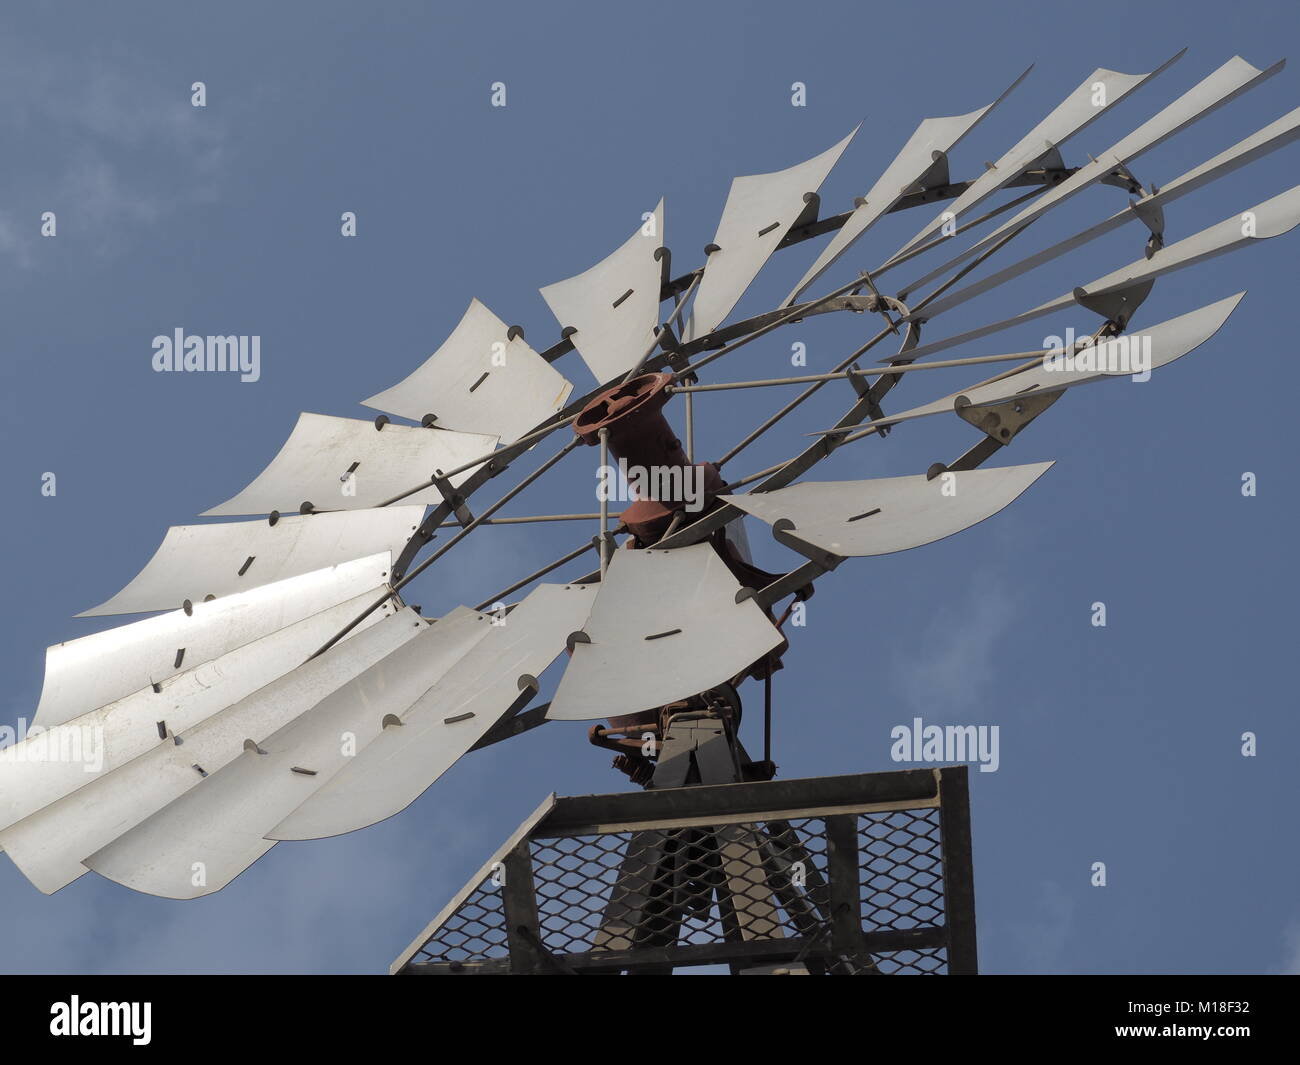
[(759, 212), (614, 306), (346, 464), (197, 562), (665, 625), (876, 517), (483, 379)]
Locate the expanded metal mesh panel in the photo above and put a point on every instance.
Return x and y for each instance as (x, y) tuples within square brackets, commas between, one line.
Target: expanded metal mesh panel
[(901, 869), (476, 932), (863, 890), (631, 890)]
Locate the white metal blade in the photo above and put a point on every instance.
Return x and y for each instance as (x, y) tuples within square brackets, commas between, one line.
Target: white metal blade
[(932, 138), (665, 626), (1260, 143), (198, 562), (222, 823), (759, 211), (50, 764), (50, 844), (1095, 95), (402, 762), (82, 675), (347, 464), (481, 380), (614, 306), (1163, 343), (876, 517), (1227, 83)]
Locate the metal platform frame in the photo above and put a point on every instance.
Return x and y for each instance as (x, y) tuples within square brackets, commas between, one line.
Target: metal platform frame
[(860, 874)]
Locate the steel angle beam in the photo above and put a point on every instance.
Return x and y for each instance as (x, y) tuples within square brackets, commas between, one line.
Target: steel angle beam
[(82, 675), (499, 673), (613, 308), (853, 519), (222, 824), (665, 625), (347, 464), (195, 563), (759, 211), (1260, 143), (1222, 86), (933, 139), (483, 379), (1095, 95), (1156, 346), (48, 765), (1271, 218)]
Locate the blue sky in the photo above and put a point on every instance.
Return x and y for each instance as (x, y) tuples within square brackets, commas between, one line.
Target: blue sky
[(1119, 744)]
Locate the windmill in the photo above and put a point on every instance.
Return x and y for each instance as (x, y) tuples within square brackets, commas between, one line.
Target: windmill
[(281, 688)]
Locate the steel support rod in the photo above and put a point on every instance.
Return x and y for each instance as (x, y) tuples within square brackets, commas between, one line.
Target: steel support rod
[(804, 395), (576, 552), (772, 382), (399, 585), (671, 321), (604, 501)]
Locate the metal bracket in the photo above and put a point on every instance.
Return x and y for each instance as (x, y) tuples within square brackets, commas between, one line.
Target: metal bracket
[(454, 499), (782, 531), (1003, 421), (1153, 217), (1116, 307)]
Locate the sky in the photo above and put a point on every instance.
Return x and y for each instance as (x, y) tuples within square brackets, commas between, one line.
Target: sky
[(1119, 744)]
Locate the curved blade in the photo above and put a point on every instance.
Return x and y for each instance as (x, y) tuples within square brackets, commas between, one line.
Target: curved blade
[(1269, 219), (481, 380), (148, 773), (85, 674), (614, 306), (1260, 143), (665, 626), (347, 464), (1095, 95), (221, 824), (198, 562), (1155, 347), (759, 211), (934, 137), (1227, 83), (402, 762), (876, 517)]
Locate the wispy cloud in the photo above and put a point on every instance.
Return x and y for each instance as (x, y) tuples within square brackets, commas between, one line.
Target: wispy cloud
[(106, 150), (955, 665)]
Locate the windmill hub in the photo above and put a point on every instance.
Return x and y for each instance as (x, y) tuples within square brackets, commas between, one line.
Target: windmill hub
[(639, 435)]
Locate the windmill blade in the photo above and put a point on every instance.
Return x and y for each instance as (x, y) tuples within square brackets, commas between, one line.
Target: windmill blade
[(1260, 143), (222, 823), (933, 139), (853, 519), (52, 845), (1224, 85), (614, 306), (483, 379), (66, 792), (1073, 114), (85, 674), (666, 625), (347, 464), (402, 762), (195, 563), (759, 211), (1269, 219), (1157, 346)]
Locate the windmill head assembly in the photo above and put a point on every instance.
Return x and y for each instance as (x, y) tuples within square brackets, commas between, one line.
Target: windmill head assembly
[(276, 686)]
